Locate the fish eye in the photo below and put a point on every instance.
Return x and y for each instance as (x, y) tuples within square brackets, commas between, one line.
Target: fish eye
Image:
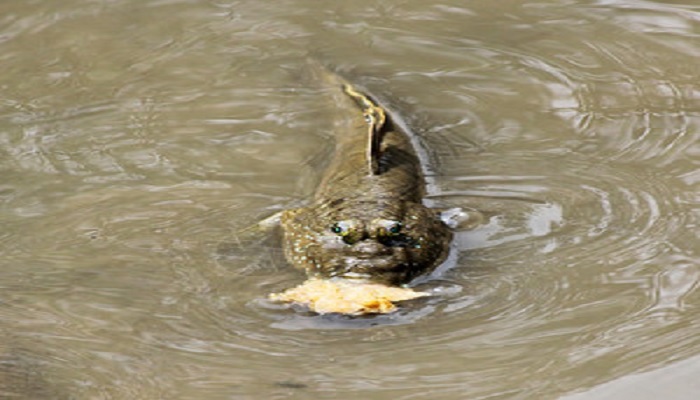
[(350, 231), (395, 228), (388, 227), (390, 233), (343, 228)]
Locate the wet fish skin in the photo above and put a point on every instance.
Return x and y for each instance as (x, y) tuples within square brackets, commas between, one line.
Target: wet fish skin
[(367, 220)]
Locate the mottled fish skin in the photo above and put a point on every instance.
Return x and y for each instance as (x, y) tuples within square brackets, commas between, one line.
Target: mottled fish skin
[(367, 220)]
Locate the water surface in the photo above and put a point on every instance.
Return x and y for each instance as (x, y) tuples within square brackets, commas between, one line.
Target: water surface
[(137, 138)]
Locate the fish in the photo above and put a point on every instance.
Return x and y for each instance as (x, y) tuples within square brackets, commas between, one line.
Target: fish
[(368, 220)]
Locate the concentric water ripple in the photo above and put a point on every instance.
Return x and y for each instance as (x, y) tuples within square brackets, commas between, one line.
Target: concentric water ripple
[(138, 138)]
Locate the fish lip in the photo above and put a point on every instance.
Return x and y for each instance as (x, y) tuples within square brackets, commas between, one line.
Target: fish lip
[(376, 263), (373, 272), (366, 267), (356, 276), (385, 277)]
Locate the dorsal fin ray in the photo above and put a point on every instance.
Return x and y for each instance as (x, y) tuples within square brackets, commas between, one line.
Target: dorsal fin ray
[(376, 118)]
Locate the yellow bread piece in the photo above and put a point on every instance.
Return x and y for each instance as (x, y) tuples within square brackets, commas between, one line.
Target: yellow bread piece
[(346, 297)]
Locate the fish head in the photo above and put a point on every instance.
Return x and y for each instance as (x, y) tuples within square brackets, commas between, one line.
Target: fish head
[(390, 245)]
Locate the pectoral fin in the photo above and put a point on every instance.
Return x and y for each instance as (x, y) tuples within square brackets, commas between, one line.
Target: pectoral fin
[(254, 234), (270, 222), (459, 219)]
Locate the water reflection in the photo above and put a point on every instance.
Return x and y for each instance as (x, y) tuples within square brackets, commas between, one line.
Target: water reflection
[(137, 138)]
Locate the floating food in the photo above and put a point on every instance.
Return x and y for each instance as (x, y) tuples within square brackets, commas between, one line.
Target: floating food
[(346, 297)]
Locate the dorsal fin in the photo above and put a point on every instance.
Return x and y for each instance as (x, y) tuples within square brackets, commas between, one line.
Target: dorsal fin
[(376, 118)]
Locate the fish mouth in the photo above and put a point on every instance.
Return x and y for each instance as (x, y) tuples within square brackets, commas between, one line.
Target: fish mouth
[(375, 269), (356, 276), (369, 264)]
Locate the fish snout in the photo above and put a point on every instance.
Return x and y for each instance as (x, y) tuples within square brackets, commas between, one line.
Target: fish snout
[(370, 248)]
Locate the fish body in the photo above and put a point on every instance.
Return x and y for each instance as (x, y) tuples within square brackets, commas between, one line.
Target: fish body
[(367, 219)]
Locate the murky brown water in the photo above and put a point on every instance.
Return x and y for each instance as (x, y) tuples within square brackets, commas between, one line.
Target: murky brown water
[(137, 137)]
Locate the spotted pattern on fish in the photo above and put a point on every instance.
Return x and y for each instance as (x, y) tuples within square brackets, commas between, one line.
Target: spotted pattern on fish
[(367, 219)]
